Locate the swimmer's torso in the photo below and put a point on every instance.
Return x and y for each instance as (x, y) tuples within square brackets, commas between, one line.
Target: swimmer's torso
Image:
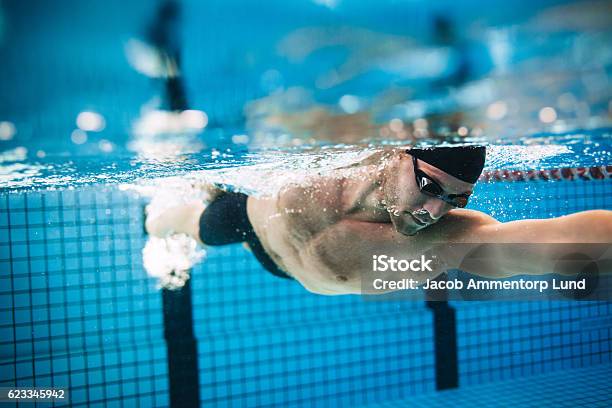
[(291, 226)]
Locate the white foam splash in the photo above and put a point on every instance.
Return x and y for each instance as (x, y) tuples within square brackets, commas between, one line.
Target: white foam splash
[(170, 259), (16, 154), (525, 157), (146, 59), (260, 174)]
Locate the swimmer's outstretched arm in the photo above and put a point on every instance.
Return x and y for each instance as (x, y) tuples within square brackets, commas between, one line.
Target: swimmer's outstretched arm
[(593, 226), (349, 246), (468, 226), (541, 242)]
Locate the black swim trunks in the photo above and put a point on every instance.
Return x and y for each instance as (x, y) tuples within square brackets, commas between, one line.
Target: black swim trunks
[(225, 221)]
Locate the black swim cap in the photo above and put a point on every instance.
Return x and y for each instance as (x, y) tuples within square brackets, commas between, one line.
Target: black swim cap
[(463, 162)]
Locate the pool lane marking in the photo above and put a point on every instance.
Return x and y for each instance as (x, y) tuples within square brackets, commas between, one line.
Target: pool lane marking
[(556, 174)]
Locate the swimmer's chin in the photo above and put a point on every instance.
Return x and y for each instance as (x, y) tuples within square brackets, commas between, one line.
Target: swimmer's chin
[(414, 231), (407, 229), (411, 233)]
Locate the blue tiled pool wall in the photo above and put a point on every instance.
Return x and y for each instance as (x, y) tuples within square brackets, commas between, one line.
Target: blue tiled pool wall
[(287, 346), (265, 341), (507, 201), (590, 387), (503, 340), (77, 309)]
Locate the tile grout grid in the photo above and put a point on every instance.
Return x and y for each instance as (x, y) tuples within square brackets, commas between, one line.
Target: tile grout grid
[(74, 293)]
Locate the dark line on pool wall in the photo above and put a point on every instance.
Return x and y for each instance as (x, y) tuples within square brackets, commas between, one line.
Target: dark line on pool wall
[(181, 344), (445, 340), (445, 345), (163, 35), (182, 347)]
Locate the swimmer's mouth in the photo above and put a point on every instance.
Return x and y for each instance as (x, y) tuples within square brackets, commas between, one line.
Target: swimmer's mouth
[(418, 222)]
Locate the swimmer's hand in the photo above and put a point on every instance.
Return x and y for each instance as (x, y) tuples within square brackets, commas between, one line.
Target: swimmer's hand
[(178, 219)]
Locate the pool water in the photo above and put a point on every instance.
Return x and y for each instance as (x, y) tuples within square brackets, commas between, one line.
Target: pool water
[(78, 309), (96, 125), (263, 170)]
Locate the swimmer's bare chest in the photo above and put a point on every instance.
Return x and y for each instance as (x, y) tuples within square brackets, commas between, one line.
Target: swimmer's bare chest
[(291, 224)]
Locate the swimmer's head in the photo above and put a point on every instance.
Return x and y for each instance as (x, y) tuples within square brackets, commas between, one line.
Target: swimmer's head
[(462, 162), (424, 184)]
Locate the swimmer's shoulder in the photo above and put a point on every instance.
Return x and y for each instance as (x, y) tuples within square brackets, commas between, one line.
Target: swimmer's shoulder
[(459, 225), (375, 158), (467, 217), (317, 194)]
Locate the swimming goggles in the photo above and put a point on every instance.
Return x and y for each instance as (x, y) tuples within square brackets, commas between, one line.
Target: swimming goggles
[(433, 189)]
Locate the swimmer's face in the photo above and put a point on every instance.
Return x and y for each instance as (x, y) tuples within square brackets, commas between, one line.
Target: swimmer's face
[(409, 208)]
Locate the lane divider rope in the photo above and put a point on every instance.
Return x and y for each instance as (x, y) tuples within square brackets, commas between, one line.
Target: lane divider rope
[(558, 174)]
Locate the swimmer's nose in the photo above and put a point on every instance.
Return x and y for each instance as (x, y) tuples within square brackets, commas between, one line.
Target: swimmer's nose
[(436, 208)]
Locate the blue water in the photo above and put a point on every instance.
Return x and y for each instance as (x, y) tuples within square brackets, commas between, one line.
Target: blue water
[(264, 82), (244, 166), (77, 308)]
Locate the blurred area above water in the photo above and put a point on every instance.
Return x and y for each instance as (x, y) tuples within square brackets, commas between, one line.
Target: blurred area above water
[(106, 78)]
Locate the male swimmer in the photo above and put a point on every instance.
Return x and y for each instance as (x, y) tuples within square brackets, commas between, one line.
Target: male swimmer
[(402, 203)]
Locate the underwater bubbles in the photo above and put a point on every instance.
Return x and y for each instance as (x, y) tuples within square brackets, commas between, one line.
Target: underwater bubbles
[(462, 131), (497, 110), (106, 146), (193, 119), (78, 136), (90, 121), (7, 130), (547, 115), (350, 104)]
